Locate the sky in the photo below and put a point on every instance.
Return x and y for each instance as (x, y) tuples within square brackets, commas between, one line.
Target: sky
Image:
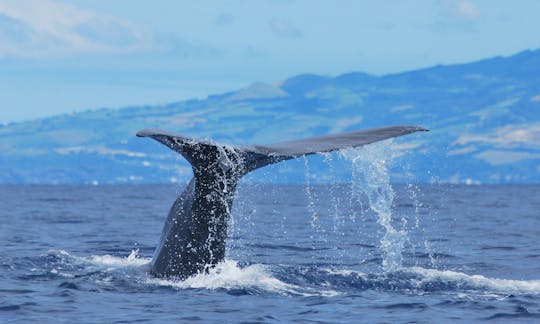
[(64, 56)]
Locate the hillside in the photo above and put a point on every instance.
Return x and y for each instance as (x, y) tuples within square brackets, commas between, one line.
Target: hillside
[(484, 119)]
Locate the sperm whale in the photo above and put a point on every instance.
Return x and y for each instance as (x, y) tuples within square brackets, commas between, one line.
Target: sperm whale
[(195, 231)]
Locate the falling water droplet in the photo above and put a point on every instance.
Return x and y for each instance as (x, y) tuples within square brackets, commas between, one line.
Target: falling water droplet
[(371, 175)]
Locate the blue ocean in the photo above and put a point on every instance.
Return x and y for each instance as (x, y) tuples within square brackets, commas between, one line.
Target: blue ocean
[(367, 251)]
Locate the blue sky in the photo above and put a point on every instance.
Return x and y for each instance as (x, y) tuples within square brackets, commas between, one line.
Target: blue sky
[(60, 56)]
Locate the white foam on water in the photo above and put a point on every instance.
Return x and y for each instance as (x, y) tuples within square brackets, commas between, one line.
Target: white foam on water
[(346, 273), (132, 260), (59, 253), (61, 273), (228, 275), (462, 284), (477, 282)]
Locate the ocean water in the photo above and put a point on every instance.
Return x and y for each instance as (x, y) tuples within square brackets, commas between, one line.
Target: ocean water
[(365, 251)]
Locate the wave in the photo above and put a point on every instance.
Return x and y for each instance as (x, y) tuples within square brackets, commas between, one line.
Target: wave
[(421, 281), (132, 260), (477, 282), (234, 278)]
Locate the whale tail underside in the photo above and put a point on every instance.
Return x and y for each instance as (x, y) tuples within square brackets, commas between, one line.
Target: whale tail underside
[(193, 238)]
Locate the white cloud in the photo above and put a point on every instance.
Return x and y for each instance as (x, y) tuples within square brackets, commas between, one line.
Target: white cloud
[(283, 28), (462, 151), (43, 28), (98, 150), (461, 8), (499, 157), (457, 15), (467, 10), (508, 136), (535, 98)]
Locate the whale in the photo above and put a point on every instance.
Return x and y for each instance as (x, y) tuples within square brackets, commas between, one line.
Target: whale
[(194, 235)]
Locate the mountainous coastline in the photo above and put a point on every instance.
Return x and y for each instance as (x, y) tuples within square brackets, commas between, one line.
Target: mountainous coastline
[(484, 119)]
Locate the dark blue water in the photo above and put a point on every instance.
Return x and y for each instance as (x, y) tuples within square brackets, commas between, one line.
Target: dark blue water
[(76, 253), (308, 253)]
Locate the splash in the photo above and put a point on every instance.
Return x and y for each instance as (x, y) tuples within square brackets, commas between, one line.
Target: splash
[(230, 276), (371, 177), (315, 225), (258, 278), (226, 275), (335, 206)]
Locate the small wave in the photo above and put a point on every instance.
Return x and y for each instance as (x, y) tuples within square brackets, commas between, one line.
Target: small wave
[(229, 276), (477, 282), (421, 280), (132, 260), (9, 308)]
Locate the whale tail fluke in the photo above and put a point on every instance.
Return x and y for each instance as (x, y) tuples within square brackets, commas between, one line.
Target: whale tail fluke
[(202, 153), (335, 142), (194, 234)]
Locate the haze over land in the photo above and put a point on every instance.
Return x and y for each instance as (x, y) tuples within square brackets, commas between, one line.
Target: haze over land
[(484, 119)]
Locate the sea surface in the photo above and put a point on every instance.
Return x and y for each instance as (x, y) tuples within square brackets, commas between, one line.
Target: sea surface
[(366, 251)]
